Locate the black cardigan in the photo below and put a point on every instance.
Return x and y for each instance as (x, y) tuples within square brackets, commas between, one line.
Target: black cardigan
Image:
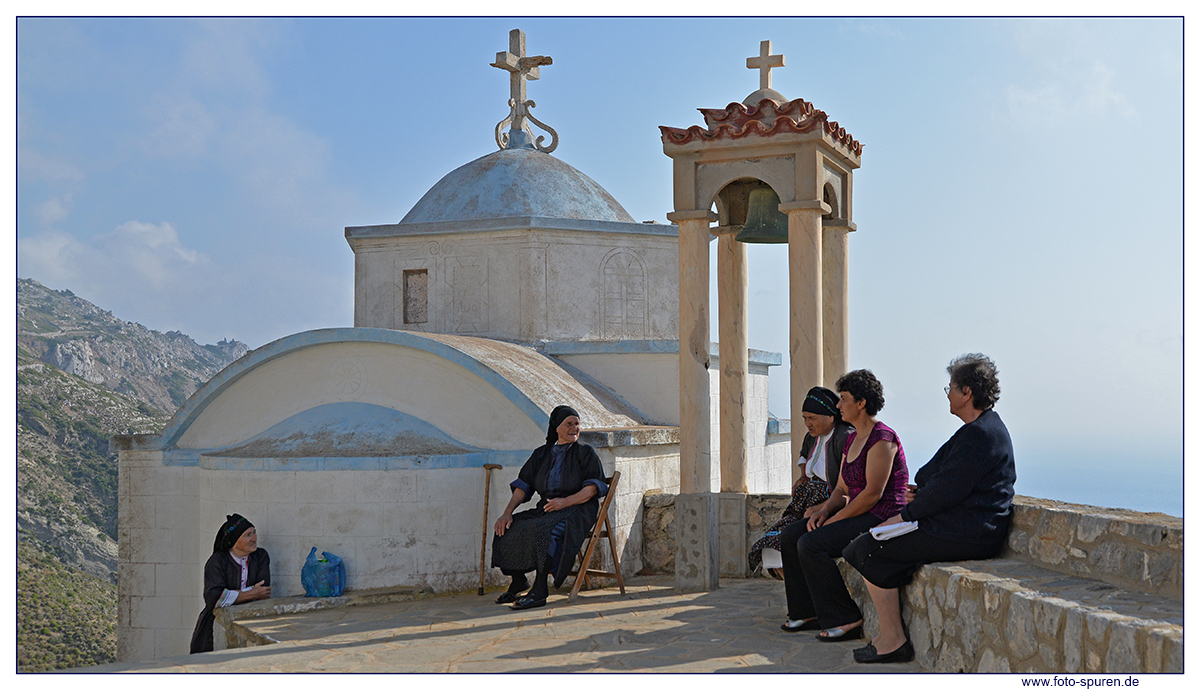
[(965, 492), (581, 465), (833, 450), (220, 574)]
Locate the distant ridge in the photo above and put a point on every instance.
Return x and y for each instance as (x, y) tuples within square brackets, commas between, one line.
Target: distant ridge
[(78, 337)]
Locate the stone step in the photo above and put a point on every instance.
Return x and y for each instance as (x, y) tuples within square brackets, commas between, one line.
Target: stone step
[(1008, 615), (229, 633)]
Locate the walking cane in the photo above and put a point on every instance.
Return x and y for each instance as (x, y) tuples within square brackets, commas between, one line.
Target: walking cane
[(487, 491)]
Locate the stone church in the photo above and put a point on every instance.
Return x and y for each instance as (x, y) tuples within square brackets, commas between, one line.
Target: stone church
[(515, 284)]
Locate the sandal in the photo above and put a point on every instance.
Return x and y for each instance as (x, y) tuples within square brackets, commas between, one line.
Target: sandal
[(795, 626), (841, 634)]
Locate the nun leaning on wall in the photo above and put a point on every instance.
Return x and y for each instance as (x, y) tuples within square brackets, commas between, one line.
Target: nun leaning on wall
[(236, 572)]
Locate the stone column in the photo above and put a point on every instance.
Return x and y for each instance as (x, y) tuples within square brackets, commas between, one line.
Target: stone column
[(696, 542), (805, 291), (695, 456), (835, 268), (732, 266)]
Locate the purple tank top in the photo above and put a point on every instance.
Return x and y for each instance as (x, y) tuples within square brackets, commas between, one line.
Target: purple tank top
[(855, 473)]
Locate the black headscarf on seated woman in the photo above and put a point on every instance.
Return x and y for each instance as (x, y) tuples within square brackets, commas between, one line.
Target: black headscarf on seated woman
[(557, 417)]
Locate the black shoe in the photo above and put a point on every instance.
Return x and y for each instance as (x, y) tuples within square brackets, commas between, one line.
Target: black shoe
[(863, 652), (811, 624), (901, 655), (528, 602), (841, 634), (507, 597)]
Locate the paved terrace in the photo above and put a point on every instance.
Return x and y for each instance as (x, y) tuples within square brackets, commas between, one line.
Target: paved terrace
[(652, 628)]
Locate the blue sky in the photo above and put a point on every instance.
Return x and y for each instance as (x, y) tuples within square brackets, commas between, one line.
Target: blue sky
[(1021, 189)]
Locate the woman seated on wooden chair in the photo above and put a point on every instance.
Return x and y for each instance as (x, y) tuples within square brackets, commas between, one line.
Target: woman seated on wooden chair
[(568, 477)]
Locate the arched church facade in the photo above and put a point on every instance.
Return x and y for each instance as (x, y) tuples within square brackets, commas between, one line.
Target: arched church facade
[(515, 284)]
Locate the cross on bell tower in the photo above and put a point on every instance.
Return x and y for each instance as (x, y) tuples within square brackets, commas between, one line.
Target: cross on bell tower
[(764, 63), (521, 69)]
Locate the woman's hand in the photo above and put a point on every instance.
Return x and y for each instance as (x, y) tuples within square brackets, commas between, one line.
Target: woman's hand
[(555, 504), (893, 520), (503, 523), (910, 492), (258, 591), (799, 480), (819, 515)]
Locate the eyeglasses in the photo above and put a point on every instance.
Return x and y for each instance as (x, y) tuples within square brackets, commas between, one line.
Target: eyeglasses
[(946, 390)]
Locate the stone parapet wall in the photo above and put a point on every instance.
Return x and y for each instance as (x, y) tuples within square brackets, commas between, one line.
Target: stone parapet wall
[(1005, 615), (1078, 589), (1138, 551)]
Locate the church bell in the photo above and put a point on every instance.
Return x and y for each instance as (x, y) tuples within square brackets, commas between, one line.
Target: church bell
[(765, 223)]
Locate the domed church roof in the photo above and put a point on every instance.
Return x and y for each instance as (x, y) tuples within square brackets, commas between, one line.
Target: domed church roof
[(522, 179), (516, 182)]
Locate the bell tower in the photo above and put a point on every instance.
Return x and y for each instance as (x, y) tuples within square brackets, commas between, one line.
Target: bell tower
[(777, 171)]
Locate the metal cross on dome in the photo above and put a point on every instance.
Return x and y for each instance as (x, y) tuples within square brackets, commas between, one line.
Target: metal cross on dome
[(521, 69), (764, 63)]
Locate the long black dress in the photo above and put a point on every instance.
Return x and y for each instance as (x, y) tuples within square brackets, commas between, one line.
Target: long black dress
[(221, 572), (525, 545)]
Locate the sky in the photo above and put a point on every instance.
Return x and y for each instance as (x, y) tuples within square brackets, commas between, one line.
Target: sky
[(1021, 190)]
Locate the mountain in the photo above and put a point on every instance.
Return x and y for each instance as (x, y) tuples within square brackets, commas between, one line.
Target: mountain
[(66, 478), (78, 337), (82, 376)]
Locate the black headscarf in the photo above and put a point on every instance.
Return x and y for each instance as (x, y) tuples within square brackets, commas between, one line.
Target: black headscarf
[(822, 401), (556, 418), (233, 529)]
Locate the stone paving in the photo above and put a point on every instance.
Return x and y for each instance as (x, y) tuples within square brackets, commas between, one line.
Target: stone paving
[(652, 628)]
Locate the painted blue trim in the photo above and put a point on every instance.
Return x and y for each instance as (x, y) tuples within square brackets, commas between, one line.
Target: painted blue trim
[(505, 458), (607, 347), (566, 348), (203, 396), (474, 226), (779, 426)]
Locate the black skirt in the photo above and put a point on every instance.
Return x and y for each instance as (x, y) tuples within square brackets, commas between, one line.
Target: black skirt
[(525, 545)]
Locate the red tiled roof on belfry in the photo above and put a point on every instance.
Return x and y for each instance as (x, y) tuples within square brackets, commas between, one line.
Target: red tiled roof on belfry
[(766, 119)]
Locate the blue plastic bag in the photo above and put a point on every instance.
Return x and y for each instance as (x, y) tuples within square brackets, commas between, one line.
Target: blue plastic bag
[(323, 577)]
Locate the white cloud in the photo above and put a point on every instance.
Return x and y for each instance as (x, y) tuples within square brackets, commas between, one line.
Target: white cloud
[(34, 165), (52, 211), (1064, 76), (134, 254), (180, 127), (142, 272)]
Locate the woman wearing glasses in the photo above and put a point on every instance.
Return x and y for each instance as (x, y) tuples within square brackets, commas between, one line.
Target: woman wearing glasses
[(961, 504)]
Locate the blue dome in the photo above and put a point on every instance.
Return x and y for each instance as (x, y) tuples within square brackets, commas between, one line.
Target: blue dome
[(513, 183)]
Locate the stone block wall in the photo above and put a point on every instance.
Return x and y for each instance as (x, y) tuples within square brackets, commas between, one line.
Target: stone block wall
[(648, 461), (1078, 589), (1132, 550)]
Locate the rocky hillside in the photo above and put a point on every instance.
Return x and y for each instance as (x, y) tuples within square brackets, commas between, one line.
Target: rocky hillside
[(82, 376), (66, 478), (78, 337), (65, 617)]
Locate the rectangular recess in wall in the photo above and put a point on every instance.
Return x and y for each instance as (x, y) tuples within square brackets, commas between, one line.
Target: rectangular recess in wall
[(416, 296)]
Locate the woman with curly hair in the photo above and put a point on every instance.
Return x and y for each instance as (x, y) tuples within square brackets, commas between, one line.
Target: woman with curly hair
[(961, 506), (870, 489)]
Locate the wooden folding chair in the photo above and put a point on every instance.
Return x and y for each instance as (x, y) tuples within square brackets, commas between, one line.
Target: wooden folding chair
[(602, 529)]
